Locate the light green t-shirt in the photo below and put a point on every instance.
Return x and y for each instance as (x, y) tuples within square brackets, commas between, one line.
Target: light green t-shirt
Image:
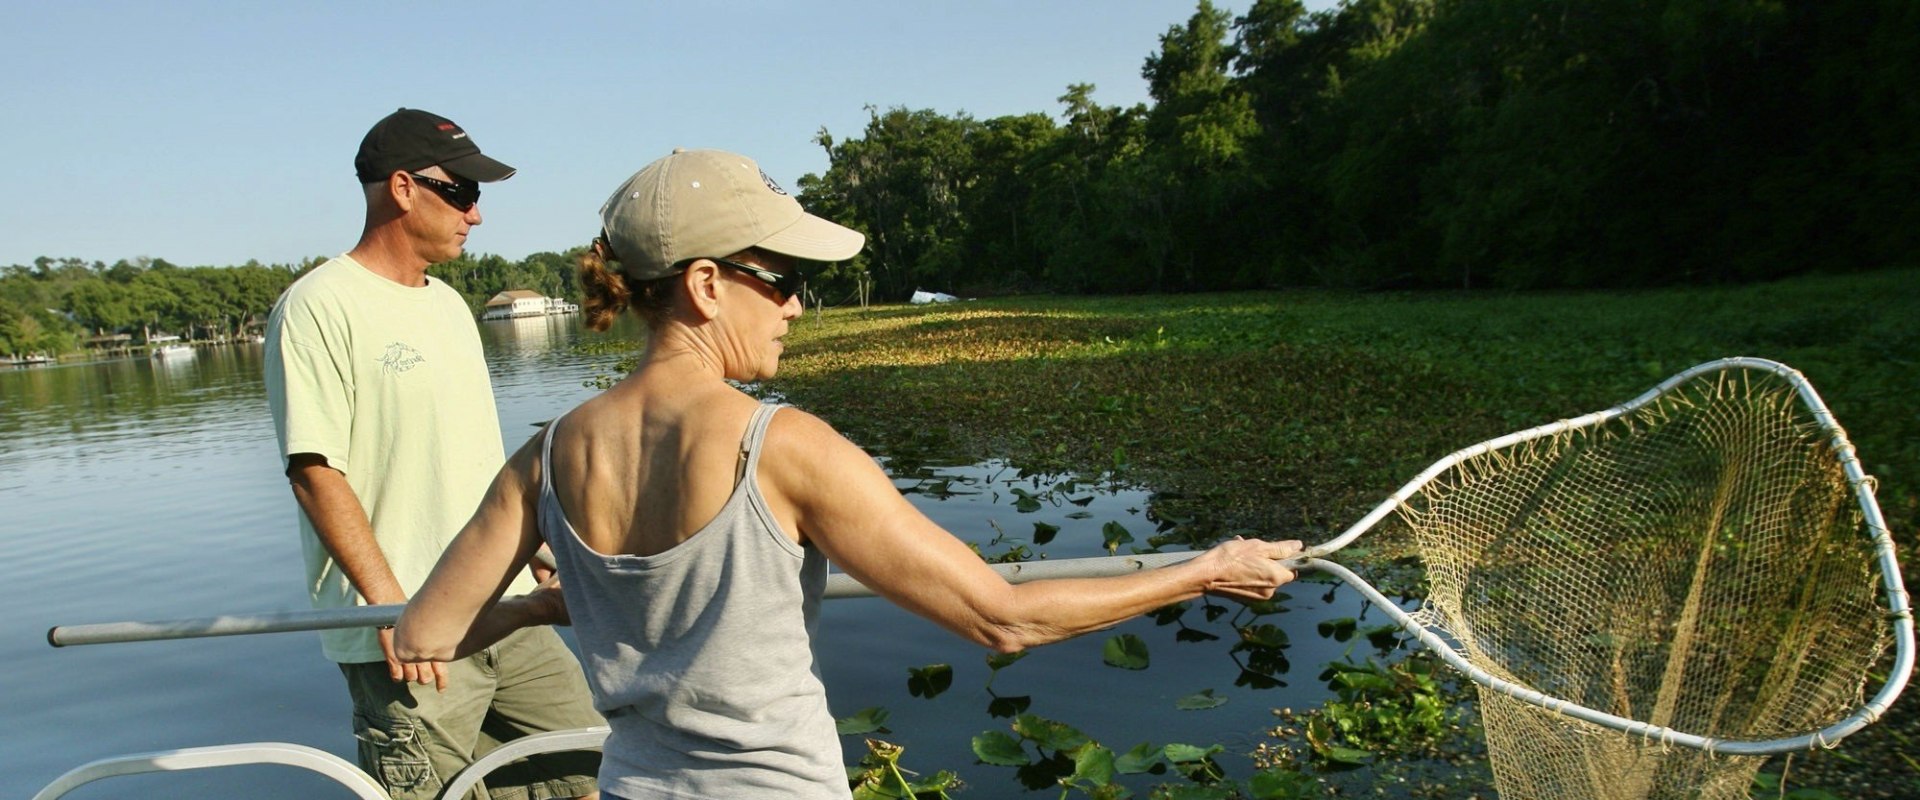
[(389, 384)]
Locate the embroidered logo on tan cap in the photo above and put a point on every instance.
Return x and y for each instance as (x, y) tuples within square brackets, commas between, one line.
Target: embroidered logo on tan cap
[(768, 180)]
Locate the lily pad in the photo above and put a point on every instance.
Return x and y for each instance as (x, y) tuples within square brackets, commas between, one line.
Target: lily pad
[(1125, 651), (1200, 701), (868, 720)]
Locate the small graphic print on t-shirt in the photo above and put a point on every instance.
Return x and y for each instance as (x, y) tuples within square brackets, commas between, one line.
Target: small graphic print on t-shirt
[(400, 357)]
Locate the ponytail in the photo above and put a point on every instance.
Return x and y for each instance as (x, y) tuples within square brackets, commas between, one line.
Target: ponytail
[(603, 289)]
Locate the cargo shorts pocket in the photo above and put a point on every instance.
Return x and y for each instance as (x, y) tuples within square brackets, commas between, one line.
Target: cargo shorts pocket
[(394, 752)]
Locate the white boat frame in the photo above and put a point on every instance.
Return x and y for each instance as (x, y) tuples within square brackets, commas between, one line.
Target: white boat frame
[(338, 769)]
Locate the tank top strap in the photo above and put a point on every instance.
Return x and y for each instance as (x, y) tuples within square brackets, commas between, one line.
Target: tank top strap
[(756, 435), (546, 458), (546, 482)]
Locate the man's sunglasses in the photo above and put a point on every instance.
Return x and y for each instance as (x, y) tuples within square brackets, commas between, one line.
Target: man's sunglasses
[(787, 284), (461, 195)]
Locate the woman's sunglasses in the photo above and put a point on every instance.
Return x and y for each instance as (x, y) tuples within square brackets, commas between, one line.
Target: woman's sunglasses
[(461, 195), (787, 284)]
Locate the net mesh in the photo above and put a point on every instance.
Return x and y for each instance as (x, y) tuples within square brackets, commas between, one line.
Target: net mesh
[(1698, 564)]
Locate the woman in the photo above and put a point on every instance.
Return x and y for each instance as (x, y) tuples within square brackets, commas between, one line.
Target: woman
[(693, 525)]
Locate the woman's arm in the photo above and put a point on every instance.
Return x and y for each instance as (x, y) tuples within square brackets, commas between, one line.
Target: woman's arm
[(458, 610), (841, 502)]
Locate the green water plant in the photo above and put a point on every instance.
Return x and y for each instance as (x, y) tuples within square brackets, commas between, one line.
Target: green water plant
[(1397, 709), (879, 776), (1772, 786), (1125, 651), (867, 720), (1048, 753), (929, 681)]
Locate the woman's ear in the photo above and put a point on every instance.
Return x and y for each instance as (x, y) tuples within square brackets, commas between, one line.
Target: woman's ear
[(702, 282)]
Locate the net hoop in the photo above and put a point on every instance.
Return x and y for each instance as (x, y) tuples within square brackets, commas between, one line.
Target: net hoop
[(1898, 611)]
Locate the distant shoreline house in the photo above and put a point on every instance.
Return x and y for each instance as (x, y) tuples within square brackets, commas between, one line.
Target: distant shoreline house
[(514, 303)]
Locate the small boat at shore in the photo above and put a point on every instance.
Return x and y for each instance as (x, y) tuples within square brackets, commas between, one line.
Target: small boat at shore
[(169, 347)]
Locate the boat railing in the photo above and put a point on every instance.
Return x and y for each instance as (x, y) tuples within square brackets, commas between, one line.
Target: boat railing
[(838, 586), (326, 764), (549, 742), (227, 755)]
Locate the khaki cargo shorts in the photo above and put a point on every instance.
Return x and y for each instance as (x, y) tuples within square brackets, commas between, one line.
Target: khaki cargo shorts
[(413, 739)]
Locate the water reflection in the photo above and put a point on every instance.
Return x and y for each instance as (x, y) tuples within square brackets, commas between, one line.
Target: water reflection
[(530, 333), (107, 408), (1243, 656)]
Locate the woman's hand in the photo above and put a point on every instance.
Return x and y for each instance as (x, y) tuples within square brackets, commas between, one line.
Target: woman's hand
[(420, 672), (1247, 569)]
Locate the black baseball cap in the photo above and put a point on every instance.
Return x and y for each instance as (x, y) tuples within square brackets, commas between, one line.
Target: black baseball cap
[(411, 139)]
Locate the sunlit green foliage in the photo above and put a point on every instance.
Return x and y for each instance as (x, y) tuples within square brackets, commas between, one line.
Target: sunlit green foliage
[(1291, 414)]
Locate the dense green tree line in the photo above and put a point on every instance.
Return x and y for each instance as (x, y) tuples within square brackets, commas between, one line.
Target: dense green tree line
[(480, 277), (55, 305), (1444, 143)]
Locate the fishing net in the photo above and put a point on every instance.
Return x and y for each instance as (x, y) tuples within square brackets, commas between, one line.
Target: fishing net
[(1698, 564)]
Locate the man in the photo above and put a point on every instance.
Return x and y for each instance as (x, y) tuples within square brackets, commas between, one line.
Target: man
[(389, 437)]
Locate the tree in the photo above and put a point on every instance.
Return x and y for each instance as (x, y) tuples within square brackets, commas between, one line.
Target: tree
[(902, 181), (1000, 249), (1197, 177), (105, 306)]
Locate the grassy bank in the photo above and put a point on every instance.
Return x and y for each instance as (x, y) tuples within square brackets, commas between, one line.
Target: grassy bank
[(1293, 413)]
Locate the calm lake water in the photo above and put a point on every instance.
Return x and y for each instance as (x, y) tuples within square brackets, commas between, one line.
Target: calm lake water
[(136, 490)]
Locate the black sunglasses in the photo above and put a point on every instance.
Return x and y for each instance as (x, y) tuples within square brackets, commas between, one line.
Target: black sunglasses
[(461, 195), (787, 284)]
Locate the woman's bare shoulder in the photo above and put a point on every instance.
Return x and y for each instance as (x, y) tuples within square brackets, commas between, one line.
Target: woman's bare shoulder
[(801, 431), (803, 449)]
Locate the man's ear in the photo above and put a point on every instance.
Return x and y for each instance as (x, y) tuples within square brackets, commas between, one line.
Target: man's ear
[(702, 282), (400, 190)]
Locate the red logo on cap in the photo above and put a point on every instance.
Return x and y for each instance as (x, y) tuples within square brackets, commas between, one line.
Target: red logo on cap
[(447, 126)]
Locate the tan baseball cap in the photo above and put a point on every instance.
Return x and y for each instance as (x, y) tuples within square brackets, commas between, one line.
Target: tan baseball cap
[(712, 204)]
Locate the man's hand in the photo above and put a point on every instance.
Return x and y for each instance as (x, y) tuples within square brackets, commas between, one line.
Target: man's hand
[(548, 602), (541, 564), (422, 673)]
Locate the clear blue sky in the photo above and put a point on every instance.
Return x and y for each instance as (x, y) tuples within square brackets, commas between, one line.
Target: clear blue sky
[(215, 132)]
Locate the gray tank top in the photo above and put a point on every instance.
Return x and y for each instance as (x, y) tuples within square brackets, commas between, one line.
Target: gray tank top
[(701, 657)]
